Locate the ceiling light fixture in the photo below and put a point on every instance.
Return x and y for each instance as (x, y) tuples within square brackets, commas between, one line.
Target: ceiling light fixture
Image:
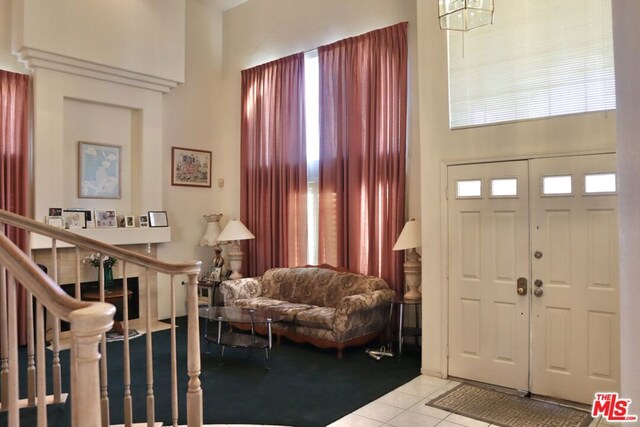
[(465, 15)]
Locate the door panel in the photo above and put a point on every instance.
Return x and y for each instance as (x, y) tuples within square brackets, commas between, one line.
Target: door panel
[(489, 321), (575, 324)]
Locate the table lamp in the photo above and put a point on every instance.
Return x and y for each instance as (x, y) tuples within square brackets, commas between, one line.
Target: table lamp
[(410, 238), (233, 232)]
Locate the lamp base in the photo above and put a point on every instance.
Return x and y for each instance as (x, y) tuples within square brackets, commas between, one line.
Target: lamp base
[(235, 261), (413, 275), (412, 294)]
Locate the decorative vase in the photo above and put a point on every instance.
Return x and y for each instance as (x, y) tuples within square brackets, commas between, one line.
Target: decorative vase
[(109, 283)]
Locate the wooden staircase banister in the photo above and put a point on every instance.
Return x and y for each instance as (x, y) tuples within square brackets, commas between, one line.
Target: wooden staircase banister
[(36, 281), (187, 267), (47, 302)]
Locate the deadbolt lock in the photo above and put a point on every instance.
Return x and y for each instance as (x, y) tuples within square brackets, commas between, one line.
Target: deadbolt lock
[(538, 292), (537, 254), (522, 285), (538, 283)]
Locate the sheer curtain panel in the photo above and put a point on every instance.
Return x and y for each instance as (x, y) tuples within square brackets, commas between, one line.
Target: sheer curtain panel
[(363, 114), (273, 165)]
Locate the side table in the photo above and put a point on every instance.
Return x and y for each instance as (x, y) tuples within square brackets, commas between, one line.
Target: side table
[(402, 330), (211, 287)]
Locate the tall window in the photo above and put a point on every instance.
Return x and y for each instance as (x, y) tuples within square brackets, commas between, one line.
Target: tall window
[(312, 103), (539, 59)]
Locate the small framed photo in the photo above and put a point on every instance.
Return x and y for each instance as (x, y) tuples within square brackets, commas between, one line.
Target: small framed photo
[(55, 221), (215, 273), (88, 216), (143, 220), (191, 168), (74, 219), (158, 219), (55, 211), (106, 218), (129, 221), (99, 171)]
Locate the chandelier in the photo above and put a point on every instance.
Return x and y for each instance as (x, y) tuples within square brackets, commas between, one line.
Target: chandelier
[(465, 15)]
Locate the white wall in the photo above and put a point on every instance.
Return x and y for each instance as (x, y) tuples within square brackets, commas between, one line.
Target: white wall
[(55, 150), (626, 34), (8, 61), (438, 145), (260, 31), (137, 36), (191, 120), (100, 124), (140, 44)]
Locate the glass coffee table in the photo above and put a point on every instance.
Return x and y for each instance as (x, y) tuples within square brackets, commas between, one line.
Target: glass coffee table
[(226, 335)]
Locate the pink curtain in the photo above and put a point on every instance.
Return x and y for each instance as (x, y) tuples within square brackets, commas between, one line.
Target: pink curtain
[(14, 166), (273, 165), (363, 108)]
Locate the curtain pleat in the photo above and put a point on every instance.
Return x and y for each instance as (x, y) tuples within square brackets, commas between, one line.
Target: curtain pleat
[(273, 201), (14, 166), (363, 110)]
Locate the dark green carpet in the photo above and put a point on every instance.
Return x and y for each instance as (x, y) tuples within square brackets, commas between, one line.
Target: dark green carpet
[(306, 386)]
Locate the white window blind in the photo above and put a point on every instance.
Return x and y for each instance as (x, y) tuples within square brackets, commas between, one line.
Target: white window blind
[(541, 58)]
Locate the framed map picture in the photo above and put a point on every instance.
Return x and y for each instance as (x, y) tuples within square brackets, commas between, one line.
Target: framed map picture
[(191, 168), (99, 175)]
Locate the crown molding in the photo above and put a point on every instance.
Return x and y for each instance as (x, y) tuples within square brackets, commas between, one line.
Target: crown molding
[(34, 59)]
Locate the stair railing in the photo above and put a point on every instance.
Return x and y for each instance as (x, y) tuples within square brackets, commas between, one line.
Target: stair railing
[(89, 323)]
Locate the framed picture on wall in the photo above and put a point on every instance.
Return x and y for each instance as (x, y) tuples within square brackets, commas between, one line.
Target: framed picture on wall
[(99, 171), (191, 168)]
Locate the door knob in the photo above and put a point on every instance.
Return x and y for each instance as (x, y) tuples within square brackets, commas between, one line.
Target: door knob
[(537, 254), (538, 283), (538, 292)]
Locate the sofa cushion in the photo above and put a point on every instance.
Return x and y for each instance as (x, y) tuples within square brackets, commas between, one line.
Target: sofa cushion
[(304, 285), (347, 284), (258, 303), (291, 310), (311, 284), (320, 317)]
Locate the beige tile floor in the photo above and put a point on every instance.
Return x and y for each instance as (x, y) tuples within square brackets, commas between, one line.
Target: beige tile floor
[(405, 407)]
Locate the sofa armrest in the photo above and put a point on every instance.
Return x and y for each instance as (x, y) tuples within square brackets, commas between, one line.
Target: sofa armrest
[(246, 287), (361, 314)]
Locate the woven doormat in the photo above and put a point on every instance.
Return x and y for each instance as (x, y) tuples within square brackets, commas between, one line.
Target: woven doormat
[(508, 410)]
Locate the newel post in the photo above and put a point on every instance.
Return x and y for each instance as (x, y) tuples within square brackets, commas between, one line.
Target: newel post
[(87, 326), (194, 392)]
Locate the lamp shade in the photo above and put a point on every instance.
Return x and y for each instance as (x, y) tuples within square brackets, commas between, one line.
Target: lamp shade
[(410, 237), (235, 230)]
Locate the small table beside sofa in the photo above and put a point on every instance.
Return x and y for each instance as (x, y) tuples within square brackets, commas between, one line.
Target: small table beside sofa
[(321, 305)]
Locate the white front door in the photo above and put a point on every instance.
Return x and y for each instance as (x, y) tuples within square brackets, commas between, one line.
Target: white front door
[(555, 226), (574, 238), (489, 241)]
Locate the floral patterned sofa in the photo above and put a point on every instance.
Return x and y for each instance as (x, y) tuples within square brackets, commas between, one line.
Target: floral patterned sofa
[(322, 305)]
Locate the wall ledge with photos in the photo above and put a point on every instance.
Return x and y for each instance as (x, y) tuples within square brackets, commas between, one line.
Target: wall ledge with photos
[(112, 236)]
